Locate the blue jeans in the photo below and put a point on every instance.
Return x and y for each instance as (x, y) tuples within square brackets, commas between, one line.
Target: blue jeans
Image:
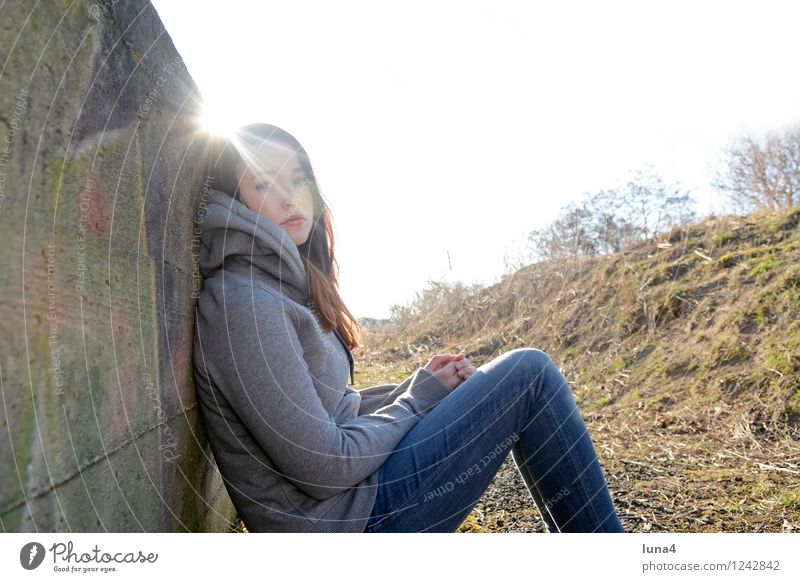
[(518, 402)]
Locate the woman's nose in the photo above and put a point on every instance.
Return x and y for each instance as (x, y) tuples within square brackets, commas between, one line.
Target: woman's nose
[(287, 194)]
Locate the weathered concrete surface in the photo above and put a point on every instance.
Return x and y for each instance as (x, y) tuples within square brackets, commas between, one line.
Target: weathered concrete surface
[(100, 179)]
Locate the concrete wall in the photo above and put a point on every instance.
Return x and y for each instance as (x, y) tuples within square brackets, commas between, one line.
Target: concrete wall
[(100, 179)]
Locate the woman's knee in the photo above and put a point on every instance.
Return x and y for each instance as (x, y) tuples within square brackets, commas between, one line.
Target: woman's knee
[(533, 356), (528, 363)]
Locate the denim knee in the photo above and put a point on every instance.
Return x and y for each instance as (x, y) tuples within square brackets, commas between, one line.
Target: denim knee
[(534, 357), (534, 354), (534, 362)]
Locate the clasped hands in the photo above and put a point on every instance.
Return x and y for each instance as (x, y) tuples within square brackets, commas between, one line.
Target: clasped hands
[(451, 369)]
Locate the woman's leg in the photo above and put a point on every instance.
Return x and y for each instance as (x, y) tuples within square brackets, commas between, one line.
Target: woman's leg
[(518, 402)]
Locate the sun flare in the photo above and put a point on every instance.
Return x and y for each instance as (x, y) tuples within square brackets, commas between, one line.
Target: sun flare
[(217, 122)]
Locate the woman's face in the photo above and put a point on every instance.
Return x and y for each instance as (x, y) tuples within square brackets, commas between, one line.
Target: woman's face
[(273, 183)]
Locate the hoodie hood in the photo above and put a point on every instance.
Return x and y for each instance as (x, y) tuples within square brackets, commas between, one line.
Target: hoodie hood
[(239, 239)]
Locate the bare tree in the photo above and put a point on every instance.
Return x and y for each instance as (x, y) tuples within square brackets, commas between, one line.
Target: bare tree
[(611, 230), (652, 205), (610, 220), (569, 235), (761, 172)]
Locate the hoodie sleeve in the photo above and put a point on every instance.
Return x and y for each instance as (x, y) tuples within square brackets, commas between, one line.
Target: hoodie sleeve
[(373, 396), (260, 368)]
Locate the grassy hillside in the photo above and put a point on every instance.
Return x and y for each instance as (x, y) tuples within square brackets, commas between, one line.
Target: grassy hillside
[(683, 353)]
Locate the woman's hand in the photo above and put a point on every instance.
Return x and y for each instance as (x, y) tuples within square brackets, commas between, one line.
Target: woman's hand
[(451, 369)]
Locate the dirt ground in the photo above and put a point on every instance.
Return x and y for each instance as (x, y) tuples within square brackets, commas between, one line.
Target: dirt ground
[(663, 480)]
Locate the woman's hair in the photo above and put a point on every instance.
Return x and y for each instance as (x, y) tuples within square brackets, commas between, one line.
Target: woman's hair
[(317, 253)]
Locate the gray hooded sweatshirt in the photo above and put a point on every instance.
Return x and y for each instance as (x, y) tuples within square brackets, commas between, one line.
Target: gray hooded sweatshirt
[(298, 450)]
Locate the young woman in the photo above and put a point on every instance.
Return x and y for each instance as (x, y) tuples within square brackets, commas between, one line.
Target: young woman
[(301, 451)]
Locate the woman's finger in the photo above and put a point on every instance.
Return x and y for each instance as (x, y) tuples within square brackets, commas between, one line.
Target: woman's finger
[(438, 361)]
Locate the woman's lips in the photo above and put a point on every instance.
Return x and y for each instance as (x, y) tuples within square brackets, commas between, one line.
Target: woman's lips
[(295, 221)]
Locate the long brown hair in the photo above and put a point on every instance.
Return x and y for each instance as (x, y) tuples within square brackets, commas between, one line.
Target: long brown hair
[(317, 253)]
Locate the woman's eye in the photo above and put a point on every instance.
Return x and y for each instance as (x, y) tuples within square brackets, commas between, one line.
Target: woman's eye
[(302, 182), (263, 186)]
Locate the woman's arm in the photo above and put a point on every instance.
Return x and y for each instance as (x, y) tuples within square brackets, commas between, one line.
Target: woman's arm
[(373, 396), (254, 357)]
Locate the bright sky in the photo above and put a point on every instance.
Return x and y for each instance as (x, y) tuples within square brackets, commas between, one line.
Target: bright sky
[(442, 132)]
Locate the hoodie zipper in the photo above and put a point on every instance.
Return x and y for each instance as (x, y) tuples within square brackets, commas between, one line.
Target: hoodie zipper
[(349, 355), (338, 335)]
